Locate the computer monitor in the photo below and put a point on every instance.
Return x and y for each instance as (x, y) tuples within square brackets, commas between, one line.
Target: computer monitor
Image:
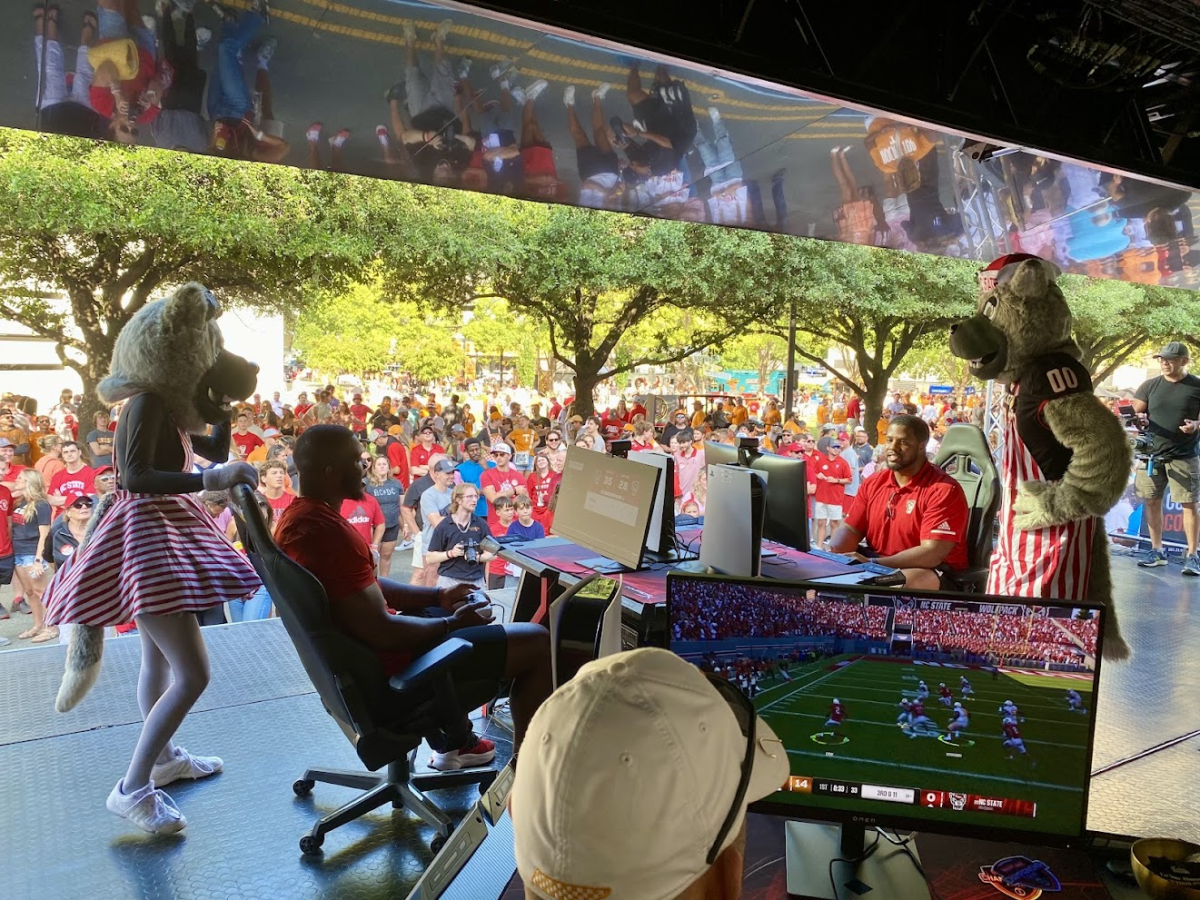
[(862, 685), (786, 495), (660, 539), (606, 504)]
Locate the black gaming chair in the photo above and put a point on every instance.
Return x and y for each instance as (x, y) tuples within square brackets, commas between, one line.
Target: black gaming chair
[(965, 456), (350, 682)]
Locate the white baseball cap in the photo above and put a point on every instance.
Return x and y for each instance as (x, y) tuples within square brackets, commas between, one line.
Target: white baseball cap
[(627, 775), (501, 447)]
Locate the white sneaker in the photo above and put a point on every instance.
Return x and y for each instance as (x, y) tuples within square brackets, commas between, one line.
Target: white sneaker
[(533, 91), (443, 29), (504, 69), (184, 765), (464, 68), (598, 93), (569, 95), (518, 96), (203, 36), (148, 808), (477, 752), (714, 114)]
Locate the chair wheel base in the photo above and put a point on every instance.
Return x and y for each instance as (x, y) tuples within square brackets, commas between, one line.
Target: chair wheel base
[(310, 844), (303, 787), (438, 842)]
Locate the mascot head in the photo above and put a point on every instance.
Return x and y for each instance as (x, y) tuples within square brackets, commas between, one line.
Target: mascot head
[(1022, 316), (173, 348)]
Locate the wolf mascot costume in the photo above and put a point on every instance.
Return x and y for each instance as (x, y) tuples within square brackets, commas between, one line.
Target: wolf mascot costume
[(1066, 458), (152, 553)]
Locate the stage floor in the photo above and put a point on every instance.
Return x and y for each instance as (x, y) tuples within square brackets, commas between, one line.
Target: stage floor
[(261, 715)]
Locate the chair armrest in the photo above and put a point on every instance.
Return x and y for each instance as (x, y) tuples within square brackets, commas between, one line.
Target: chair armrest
[(431, 664)]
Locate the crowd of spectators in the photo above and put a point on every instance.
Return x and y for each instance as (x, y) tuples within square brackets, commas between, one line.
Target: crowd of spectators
[(714, 612), (513, 455), (984, 635)]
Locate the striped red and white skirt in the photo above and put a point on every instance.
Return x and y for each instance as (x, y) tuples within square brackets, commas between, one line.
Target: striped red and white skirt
[(151, 554)]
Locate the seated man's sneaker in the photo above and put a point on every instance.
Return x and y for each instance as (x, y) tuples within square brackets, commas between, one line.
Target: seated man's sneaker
[(477, 752), (184, 765), (1191, 565), (149, 808)]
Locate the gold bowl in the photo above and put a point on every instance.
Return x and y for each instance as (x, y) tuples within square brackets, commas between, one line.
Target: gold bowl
[(1167, 869)]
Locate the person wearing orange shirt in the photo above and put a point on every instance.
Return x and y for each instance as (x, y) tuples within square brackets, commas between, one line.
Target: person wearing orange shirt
[(795, 425), (881, 427), (522, 438), (823, 411), (259, 453), (739, 414), (697, 414), (772, 416), (838, 414)]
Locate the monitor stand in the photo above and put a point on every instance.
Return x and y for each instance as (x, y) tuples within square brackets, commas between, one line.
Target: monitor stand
[(888, 872)]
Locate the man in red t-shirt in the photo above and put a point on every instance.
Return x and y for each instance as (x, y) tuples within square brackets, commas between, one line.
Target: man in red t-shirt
[(245, 439), (808, 452), (912, 513), (75, 480), (302, 406), (502, 481), (426, 446), (832, 474), (379, 613), (272, 484), (359, 414)]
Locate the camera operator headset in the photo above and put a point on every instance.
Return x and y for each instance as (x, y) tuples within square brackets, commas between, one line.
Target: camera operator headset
[(456, 546), (1171, 403)]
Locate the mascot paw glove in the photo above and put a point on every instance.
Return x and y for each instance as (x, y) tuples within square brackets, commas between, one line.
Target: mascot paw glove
[(225, 477), (1034, 505)]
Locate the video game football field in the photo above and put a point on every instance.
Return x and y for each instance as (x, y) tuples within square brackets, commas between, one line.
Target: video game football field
[(1013, 760)]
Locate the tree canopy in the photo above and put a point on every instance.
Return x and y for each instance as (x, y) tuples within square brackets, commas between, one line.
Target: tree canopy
[(92, 232)]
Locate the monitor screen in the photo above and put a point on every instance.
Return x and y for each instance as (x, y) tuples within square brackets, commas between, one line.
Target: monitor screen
[(922, 709), (605, 504)]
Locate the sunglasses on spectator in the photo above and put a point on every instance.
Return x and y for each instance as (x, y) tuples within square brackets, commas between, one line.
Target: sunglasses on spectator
[(82, 503)]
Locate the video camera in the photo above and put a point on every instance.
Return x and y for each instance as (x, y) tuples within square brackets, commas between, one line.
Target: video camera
[(1135, 426)]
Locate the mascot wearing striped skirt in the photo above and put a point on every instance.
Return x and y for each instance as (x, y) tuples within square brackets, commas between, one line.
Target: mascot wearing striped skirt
[(1066, 458), (152, 553)]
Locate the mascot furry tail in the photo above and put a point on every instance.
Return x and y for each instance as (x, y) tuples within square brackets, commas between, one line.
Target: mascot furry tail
[(86, 649)]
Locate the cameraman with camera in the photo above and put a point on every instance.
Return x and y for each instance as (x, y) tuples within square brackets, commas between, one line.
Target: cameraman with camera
[(1171, 403), (454, 546)]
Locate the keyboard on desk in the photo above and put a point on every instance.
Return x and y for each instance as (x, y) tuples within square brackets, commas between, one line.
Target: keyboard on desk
[(873, 567)]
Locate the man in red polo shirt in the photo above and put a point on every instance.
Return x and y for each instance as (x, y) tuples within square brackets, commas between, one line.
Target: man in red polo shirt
[(832, 474), (426, 446), (384, 615), (243, 438), (359, 414), (913, 515)]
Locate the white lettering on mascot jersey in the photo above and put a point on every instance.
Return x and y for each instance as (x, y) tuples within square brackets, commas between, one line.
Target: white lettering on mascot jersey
[(1046, 562)]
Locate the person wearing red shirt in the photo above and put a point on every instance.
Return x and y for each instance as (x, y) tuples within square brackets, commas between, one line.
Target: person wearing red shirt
[(555, 408), (393, 619), (612, 424), (367, 518), (854, 408), (302, 406), (832, 474), (359, 413), (9, 470), (643, 437), (426, 446), (808, 453), (7, 559), (397, 456), (272, 484), (245, 439), (913, 515), (541, 485), (73, 481), (637, 410), (502, 481)]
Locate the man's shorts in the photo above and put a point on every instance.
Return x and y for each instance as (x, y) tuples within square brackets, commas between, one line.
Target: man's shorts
[(1182, 474), (826, 510), (7, 565)]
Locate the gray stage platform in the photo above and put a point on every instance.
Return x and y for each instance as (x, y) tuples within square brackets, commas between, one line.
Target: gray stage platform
[(261, 716)]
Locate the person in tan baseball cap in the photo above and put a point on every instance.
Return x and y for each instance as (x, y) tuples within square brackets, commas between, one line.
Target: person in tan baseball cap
[(633, 783)]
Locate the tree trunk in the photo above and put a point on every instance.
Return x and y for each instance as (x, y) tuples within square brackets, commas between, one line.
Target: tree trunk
[(585, 393)]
